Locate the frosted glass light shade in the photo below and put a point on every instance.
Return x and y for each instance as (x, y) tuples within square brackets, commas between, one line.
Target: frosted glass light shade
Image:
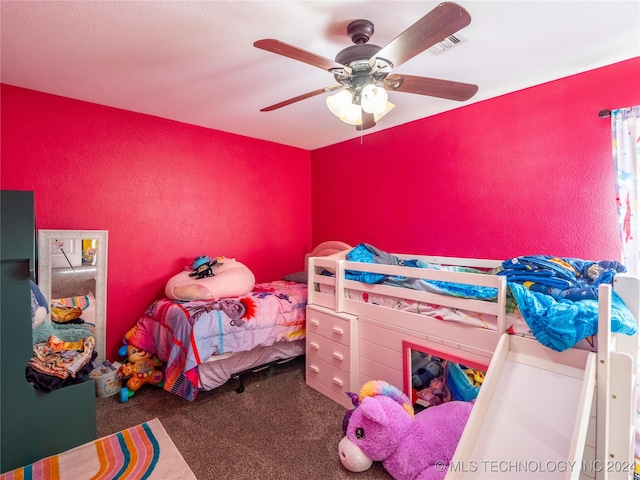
[(374, 99), (339, 103), (353, 115), (387, 108)]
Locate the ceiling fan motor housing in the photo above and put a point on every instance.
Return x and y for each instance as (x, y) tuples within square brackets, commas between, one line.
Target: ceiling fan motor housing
[(360, 31), (356, 53), (357, 58)]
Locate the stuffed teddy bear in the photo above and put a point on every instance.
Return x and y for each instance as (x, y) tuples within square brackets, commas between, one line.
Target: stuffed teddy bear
[(141, 367), (383, 427)]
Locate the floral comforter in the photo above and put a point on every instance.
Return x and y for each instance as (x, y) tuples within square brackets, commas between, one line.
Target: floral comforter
[(183, 335)]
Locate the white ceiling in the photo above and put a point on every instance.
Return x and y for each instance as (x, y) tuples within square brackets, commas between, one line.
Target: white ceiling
[(194, 61)]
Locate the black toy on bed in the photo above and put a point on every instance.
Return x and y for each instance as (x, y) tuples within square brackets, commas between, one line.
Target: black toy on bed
[(203, 267)]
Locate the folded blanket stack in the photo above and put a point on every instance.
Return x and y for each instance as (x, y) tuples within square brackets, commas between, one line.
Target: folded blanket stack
[(57, 363)]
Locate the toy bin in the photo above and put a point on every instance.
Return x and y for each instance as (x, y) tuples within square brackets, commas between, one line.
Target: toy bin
[(107, 381)]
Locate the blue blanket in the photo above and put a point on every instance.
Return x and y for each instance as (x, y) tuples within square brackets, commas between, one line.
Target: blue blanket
[(369, 254), (560, 324), (562, 278), (556, 296)]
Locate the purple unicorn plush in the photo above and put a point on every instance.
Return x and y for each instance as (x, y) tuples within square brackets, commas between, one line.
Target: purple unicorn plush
[(383, 427)]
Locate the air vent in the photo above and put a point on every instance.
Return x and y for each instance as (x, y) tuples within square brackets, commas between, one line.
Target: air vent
[(447, 44)]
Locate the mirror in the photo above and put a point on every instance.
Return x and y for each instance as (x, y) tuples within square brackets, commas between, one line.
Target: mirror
[(74, 263)]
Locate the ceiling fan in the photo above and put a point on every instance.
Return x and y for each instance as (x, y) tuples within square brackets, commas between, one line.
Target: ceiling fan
[(363, 70)]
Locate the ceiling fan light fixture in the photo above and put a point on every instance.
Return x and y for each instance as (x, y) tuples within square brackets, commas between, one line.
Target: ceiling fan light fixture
[(353, 115), (362, 70), (387, 108), (339, 103), (374, 99)]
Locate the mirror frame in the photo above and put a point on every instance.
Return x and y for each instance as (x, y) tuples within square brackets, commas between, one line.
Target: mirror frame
[(44, 275)]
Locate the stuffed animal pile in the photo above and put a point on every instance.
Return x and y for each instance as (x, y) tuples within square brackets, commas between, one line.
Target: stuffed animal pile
[(383, 427)]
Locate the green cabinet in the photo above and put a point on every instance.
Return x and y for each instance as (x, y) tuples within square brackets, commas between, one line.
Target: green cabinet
[(33, 424)]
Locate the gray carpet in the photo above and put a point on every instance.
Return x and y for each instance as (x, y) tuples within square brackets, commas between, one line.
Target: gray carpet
[(278, 428)]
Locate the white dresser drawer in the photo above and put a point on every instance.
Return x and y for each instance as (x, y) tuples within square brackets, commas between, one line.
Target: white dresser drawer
[(333, 353), (328, 326), (332, 378), (337, 396)]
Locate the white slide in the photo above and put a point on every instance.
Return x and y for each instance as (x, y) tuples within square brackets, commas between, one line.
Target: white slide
[(531, 416)]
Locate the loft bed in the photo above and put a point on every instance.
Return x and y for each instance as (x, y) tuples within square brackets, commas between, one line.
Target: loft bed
[(597, 374), (203, 347)]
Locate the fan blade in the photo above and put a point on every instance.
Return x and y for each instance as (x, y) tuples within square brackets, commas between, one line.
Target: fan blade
[(368, 121), (432, 87), (444, 20), (300, 97), (286, 50)]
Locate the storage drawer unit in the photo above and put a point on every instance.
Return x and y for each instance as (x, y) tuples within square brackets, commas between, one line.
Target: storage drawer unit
[(328, 351), (332, 354)]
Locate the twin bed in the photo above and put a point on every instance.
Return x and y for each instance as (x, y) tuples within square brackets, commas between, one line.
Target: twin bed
[(462, 309), (203, 344)]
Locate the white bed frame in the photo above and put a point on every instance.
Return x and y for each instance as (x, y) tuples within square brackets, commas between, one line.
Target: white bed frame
[(605, 433)]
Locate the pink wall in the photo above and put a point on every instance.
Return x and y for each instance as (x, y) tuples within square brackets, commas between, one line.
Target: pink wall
[(166, 192), (525, 173), (499, 178)]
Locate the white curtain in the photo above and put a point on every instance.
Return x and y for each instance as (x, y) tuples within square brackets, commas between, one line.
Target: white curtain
[(625, 131)]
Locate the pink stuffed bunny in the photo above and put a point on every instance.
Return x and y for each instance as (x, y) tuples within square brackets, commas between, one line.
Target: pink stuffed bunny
[(384, 428)]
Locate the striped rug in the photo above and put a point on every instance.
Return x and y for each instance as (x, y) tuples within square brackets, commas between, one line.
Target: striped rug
[(142, 452)]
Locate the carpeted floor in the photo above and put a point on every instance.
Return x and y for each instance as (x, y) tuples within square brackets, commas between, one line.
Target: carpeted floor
[(278, 428), (68, 283)]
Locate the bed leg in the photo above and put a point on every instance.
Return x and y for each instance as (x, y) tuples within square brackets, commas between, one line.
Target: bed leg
[(240, 378)]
